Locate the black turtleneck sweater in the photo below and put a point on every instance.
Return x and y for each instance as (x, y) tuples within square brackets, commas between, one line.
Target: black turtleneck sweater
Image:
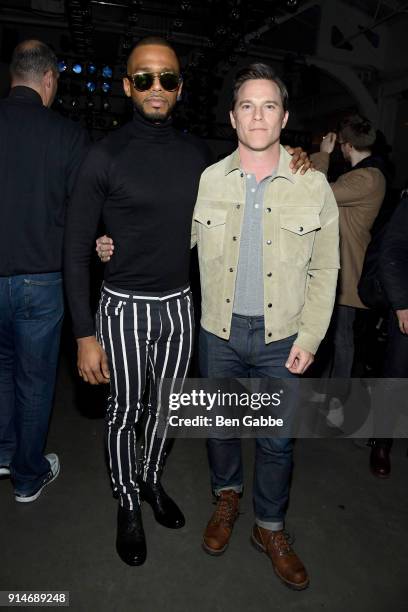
[(142, 182)]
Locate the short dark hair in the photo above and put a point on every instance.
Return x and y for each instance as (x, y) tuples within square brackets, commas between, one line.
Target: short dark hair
[(358, 131), (31, 59), (153, 40), (259, 71)]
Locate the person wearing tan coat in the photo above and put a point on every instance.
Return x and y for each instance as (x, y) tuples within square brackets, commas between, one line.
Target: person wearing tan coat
[(359, 194)]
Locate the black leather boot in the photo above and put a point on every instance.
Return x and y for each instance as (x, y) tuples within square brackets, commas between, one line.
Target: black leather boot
[(166, 511), (380, 464), (130, 539)]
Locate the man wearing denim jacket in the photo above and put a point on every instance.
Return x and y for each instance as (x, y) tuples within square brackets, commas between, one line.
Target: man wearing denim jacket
[(268, 253)]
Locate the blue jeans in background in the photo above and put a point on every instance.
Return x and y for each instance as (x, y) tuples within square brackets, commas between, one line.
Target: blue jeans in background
[(31, 313), (245, 355)]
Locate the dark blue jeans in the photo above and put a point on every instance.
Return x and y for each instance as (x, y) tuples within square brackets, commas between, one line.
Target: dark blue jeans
[(245, 355), (31, 313)]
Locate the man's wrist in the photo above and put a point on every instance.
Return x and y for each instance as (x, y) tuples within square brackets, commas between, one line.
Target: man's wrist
[(86, 340)]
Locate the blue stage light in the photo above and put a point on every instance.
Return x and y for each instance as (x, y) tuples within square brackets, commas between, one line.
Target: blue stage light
[(91, 68), (62, 66), (107, 72), (77, 68), (106, 87), (91, 86)]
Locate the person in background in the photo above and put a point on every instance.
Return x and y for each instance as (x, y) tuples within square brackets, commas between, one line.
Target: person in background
[(40, 153), (393, 263), (359, 194)]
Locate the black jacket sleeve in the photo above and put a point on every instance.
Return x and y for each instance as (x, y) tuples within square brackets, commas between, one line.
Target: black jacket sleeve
[(393, 261), (84, 214)]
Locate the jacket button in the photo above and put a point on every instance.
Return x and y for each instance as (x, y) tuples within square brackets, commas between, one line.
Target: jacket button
[(234, 238), (208, 222), (241, 175), (268, 210), (269, 274), (269, 305), (231, 269), (269, 242), (223, 329), (300, 229), (238, 206), (228, 300), (269, 335)]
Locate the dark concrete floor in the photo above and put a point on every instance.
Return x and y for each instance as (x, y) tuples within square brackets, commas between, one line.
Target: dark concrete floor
[(350, 528)]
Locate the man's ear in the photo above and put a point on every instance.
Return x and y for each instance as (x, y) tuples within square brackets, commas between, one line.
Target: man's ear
[(179, 89), (127, 87), (285, 119), (48, 79), (232, 119)]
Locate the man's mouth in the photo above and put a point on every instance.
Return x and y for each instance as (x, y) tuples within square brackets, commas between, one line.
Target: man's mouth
[(156, 102)]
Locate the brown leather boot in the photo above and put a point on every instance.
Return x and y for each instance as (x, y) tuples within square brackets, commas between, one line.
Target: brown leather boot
[(285, 562), (218, 532)]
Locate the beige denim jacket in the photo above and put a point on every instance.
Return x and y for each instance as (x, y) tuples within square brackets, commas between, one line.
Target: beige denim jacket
[(300, 250)]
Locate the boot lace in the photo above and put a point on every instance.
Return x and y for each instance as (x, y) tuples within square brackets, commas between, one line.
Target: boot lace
[(225, 511), (281, 541)]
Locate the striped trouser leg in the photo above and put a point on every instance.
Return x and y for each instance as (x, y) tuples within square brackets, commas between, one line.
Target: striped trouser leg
[(123, 329), (169, 357)]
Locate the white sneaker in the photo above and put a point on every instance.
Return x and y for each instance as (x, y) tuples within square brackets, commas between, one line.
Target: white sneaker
[(335, 416), (4, 470), (53, 460)]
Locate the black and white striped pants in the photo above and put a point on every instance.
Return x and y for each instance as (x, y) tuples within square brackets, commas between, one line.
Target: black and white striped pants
[(146, 337)]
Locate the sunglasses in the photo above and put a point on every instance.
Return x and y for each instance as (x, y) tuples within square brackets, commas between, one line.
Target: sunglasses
[(142, 81)]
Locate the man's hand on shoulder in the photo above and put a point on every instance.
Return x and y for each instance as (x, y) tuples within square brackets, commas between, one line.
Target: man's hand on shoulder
[(300, 160), (299, 360), (104, 248), (92, 361)]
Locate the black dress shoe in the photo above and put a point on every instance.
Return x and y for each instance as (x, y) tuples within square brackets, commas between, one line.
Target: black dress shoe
[(166, 511), (130, 539)]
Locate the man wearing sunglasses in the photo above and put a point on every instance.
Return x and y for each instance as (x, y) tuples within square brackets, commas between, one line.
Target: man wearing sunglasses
[(142, 181)]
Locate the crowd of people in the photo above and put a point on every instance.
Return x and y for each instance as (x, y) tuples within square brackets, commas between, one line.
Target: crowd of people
[(272, 234)]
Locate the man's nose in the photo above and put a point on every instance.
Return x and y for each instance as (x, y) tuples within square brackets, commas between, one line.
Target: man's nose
[(258, 114), (156, 83)]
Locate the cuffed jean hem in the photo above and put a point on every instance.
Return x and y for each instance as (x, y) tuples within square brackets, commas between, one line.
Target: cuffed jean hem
[(237, 488), (271, 525)]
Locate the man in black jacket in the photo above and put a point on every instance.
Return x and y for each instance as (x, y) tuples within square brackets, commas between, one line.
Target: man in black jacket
[(40, 153), (393, 262), (393, 271)]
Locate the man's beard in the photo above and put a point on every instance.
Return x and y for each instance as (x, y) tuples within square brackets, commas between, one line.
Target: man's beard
[(153, 116)]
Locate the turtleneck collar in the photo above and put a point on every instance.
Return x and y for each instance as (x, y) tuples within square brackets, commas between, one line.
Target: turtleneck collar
[(144, 128)]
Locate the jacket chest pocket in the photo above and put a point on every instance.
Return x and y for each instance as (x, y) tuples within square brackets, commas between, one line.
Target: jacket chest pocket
[(211, 228), (297, 230)]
